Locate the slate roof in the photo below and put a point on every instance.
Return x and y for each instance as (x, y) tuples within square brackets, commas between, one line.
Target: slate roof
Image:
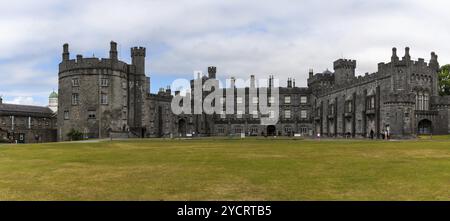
[(25, 110)]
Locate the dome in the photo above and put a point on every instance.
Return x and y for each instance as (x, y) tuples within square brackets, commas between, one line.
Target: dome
[(327, 72), (53, 95)]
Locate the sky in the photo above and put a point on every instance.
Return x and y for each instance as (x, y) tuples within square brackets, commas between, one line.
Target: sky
[(283, 38)]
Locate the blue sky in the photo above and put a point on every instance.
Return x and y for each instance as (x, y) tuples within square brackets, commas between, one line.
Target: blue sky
[(284, 38)]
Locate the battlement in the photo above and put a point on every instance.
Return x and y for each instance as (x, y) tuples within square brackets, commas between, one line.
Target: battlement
[(344, 63), (137, 51), (212, 72), (92, 63)]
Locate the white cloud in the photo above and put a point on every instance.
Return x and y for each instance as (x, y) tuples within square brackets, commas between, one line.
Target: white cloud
[(22, 101)]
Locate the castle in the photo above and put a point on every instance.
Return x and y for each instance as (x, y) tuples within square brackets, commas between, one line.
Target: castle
[(107, 97)]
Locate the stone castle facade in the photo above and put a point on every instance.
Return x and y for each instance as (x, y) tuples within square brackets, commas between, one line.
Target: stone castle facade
[(107, 97), (100, 97)]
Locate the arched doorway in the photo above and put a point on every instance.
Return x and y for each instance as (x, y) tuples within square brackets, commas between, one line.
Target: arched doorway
[(424, 127), (182, 127), (271, 130)]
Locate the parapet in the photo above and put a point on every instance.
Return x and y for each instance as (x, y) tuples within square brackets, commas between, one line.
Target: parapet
[(344, 63), (92, 63), (137, 51)]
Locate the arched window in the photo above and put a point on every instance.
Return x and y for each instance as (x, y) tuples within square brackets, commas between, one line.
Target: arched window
[(425, 101), (420, 106)]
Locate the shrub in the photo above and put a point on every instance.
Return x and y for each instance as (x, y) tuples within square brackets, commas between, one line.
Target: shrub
[(75, 135)]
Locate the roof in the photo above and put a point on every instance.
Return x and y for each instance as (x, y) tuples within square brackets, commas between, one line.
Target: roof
[(25, 110), (53, 95)]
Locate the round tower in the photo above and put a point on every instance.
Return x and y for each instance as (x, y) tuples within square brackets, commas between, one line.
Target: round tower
[(92, 95)]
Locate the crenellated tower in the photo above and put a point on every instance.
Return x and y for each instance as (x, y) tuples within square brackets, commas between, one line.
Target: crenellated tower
[(344, 71), (138, 87)]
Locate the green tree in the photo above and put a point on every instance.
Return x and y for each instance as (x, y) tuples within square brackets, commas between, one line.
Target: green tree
[(75, 135), (444, 80)]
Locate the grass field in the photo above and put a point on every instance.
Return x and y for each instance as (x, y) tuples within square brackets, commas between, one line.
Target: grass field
[(227, 169)]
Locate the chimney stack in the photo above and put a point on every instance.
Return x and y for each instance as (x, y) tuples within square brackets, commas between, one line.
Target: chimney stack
[(113, 51), (66, 54), (252, 81)]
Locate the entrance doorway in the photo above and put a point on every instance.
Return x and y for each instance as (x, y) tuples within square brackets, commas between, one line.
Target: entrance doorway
[(271, 130), (182, 127), (424, 127)]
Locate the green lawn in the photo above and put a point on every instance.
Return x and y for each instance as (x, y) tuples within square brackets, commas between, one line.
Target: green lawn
[(226, 169)]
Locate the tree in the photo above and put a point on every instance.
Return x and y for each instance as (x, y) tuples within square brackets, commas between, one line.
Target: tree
[(75, 135), (444, 80)]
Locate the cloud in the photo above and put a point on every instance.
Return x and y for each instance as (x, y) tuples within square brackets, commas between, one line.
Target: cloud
[(284, 38), (22, 101)]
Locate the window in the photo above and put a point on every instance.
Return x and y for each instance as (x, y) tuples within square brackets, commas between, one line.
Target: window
[(104, 99), (287, 99), (254, 130), (221, 130), (271, 114), (124, 115), (66, 115), (349, 107), (331, 109), (371, 103), (288, 130), (425, 101), (239, 114), (239, 100), (304, 130), (255, 114), (271, 100), (75, 82), (287, 114), (255, 100), (223, 115), (104, 82), (91, 114), (75, 99), (238, 130), (303, 114), (303, 99)]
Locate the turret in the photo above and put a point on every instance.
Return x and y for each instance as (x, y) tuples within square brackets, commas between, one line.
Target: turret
[(212, 72), (434, 64), (113, 51), (138, 59), (344, 70), (65, 54), (311, 73)]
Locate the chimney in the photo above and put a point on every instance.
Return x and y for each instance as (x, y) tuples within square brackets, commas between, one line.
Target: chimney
[(294, 82), (270, 81), (1, 100), (394, 55), (113, 51), (407, 57), (79, 58), (65, 55), (311, 73), (252, 81), (233, 82)]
